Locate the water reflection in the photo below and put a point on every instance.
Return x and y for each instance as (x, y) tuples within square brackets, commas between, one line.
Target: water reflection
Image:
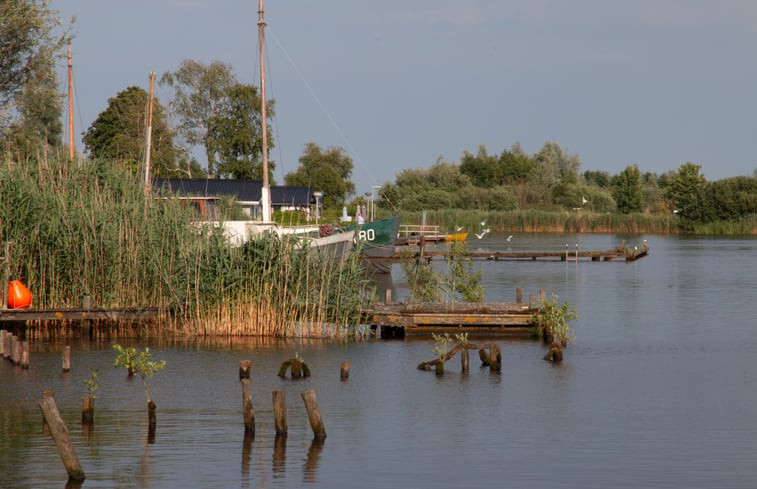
[(311, 462), (279, 455)]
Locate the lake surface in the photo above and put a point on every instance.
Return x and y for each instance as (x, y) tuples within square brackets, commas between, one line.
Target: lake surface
[(659, 390)]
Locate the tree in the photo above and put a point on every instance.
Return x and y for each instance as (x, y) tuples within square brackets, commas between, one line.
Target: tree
[(27, 68), (553, 165), (219, 113), (483, 169), (626, 189), (687, 189), (328, 172), (235, 135), (515, 164), (118, 134)]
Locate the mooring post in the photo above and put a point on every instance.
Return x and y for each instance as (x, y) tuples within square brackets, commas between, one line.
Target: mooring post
[(519, 295), (344, 371), (15, 350), (388, 296), (86, 304), (314, 415), (244, 369), (67, 358), (87, 410), (247, 412), (464, 359), (280, 412), (151, 422), (24, 355), (2, 343), (542, 297), (60, 434)]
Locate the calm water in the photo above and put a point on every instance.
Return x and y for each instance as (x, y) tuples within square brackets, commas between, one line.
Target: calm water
[(659, 390)]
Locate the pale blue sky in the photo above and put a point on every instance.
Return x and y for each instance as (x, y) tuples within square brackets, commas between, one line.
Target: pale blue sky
[(400, 83)]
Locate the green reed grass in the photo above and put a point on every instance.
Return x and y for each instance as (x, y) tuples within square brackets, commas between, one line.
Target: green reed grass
[(91, 229)]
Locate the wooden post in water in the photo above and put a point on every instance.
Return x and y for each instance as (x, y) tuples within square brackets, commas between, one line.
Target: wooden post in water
[(388, 296), (66, 358), (24, 355), (519, 295), (2, 343), (15, 350), (151, 422), (87, 410), (86, 304), (344, 371), (464, 359), (247, 411), (531, 301), (60, 434), (244, 369), (280, 412), (314, 415)]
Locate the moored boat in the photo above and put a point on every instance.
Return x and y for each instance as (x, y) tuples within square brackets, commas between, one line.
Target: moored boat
[(376, 239)]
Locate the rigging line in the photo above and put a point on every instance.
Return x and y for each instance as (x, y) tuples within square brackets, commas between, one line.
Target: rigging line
[(323, 108)]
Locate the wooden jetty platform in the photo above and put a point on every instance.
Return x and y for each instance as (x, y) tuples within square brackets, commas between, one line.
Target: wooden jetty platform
[(398, 319), (411, 235), (82, 314), (619, 253)]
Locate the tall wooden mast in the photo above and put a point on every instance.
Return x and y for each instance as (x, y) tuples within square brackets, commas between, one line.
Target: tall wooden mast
[(148, 136), (70, 105), (265, 197)]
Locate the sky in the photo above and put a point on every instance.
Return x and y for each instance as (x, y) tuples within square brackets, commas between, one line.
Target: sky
[(404, 83)]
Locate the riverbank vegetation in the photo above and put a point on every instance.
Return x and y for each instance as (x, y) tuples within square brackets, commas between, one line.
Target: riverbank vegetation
[(90, 228), (547, 192)]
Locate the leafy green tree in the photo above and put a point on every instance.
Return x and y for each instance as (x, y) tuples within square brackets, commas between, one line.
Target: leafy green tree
[(118, 134), (30, 106), (515, 164), (220, 114), (687, 191), (328, 171), (483, 169), (598, 178), (627, 190), (554, 165), (235, 135), (39, 109)]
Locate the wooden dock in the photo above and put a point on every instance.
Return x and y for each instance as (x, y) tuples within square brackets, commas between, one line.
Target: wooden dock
[(81, 314), (617, 254), (487, 317)]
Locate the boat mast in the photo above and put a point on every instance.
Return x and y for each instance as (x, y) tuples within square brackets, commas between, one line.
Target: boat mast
[(148, 136), (265, 196), (70, 105)]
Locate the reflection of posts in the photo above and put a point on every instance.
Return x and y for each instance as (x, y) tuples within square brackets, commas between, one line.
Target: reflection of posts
[(247, 454), (279, 454), (311, 462)]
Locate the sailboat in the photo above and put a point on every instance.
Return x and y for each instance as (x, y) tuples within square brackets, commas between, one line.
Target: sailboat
[(336, 243)]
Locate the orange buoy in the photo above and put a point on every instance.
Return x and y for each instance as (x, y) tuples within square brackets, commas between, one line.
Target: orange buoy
[(19, 296)]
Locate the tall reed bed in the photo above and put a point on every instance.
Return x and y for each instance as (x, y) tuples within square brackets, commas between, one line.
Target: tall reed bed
[(533, 220), (92, 229)]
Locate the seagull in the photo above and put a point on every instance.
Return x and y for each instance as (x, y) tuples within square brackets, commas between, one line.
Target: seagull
[(583, 199), (458, 228), (509, 238), (479, 236), (483, 223)]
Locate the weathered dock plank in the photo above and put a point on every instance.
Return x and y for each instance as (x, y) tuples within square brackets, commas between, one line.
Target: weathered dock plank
[(79, 314)]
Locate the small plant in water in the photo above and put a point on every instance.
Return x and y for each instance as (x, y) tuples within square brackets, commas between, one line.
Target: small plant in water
[(138, 363), (552, 320), (92, 383)]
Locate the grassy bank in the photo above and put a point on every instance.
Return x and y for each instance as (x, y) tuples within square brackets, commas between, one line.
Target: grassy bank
[(91, 230)]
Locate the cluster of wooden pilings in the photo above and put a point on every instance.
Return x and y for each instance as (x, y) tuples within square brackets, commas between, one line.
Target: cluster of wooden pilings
[(14, 349)]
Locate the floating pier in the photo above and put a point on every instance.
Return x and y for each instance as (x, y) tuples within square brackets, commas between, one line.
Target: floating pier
[(619, 253)]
